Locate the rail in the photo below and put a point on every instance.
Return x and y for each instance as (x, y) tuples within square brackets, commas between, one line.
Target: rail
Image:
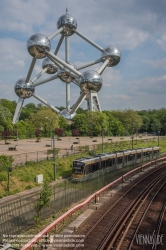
[(46, 230)]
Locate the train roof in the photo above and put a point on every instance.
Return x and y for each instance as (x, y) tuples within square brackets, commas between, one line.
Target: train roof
[(111, 154)]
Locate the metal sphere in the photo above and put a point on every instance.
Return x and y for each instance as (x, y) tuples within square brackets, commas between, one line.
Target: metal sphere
[(66, 114), (68, 23), (23, 89), (49, 65), (113, 54), (37, 44), (65, 75), (90, 80)]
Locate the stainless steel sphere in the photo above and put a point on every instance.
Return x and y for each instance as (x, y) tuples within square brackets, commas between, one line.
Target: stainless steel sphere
[(66, 114), (65, 75), (49, 65), (113, 54), (37, 44), (23, 89), (68, 23), (90, 80)]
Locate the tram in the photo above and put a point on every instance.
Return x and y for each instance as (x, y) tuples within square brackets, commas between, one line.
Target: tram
[(112, 160)]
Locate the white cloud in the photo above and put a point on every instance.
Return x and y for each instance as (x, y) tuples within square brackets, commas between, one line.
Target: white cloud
[(122, 97), (10, 54), (162, 42), (19, 63), (137, 29)]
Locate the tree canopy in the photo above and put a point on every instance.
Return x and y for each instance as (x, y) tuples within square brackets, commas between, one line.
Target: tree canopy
[(112, 122)]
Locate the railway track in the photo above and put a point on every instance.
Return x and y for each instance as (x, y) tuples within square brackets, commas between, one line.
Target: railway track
[(121, 220)]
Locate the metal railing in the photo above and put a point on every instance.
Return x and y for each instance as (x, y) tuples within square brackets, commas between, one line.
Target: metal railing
[(45, 232), (21, 159), (19, 214)]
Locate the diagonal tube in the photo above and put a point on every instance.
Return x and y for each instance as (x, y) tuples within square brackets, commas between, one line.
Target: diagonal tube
[(89, 41), (50, 55), (56, 63), (103, 66), (78, 102), (18, 110), (39, 75), (59, 44), (30, 69), (46, 80), (46, 103), (56, 33), (89, 64)]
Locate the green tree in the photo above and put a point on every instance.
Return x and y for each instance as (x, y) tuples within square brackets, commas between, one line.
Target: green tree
[(131, 121), (45, 120), (81, 111), (5, 162), (97, 122), (146, 121), (115, 126), (80, 122), (10, 105), (27, 110), (24, 129), (63, 123), (5, 118), (44, 200), (162, 118)]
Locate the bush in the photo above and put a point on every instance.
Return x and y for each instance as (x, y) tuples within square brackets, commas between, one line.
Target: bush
[(50, 151), (59, 131), (3, 176), (86, 147), (44, 200), (75, 132), (5, 162)]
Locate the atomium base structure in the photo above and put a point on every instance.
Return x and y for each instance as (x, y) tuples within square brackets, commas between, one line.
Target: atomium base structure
[(90, 81)]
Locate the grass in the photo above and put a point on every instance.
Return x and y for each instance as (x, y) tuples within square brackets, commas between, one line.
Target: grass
[(23, 177)]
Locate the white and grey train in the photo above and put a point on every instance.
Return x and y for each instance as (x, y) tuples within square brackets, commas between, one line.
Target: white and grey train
[(113, 160)]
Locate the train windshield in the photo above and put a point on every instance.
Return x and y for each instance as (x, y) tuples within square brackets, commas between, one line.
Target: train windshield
[(78, 167)]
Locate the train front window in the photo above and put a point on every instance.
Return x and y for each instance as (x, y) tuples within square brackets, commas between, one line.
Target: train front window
[(78, 167)]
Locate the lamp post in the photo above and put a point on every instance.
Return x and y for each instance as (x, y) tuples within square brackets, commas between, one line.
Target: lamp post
[(111, 123), (158, 132), (54, 159), (102, 141), (155, 128), (54, 164), (132, 137), (17, 133), (9, 169), (103, 126), (50, 130)]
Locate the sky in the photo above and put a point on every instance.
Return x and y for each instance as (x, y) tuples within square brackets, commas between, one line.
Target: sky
[(136, 28)]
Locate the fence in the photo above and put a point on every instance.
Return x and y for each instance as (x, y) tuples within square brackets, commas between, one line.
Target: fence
[(20, 159), (43, 239), (18, 215)]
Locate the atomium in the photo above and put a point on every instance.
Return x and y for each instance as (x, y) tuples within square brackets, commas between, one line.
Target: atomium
[(89, 82)]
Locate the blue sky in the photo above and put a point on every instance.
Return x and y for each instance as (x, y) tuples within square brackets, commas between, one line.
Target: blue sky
[(137, 28)]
